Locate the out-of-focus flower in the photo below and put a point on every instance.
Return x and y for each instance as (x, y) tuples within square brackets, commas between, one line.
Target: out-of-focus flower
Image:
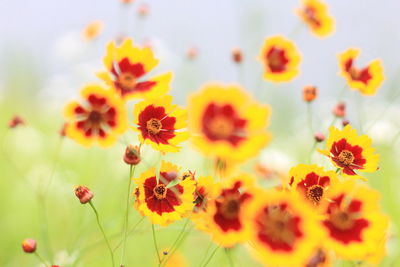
[(312, 182), (127, 1), (354, 221), (143, 10), (132, 155), (285, 230), (192, 52), (350, 152), (167, 200), (310, 93), (316, 15), (226, 215), (100, 118), (93, 30), (280, 58), (126, 67), (223, 124), (176, 260), (29, 245), (160, 124), (368, 79), (237, 55), (83, 194), (16, 121), (339, 110), (319, 137)]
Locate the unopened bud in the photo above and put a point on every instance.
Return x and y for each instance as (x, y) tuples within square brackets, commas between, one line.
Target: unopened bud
[(192, 53), (29, 245), (237, 55), (127, 1), (310, 93), (345, 122), (16, 121), (132, 155), (83, 194), (339, 110), (143, 10), (319, 137)]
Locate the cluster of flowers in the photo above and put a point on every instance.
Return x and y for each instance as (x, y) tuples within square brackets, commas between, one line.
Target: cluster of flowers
[(315, 215)]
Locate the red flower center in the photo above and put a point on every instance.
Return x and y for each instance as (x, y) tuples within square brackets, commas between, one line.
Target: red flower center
[(127, 81), (342, 220), (276, 59), (153, 126), (356, 74), (315, 193), (230, 207), (160, 191), (95, 117), (346, 157), (221, 127)]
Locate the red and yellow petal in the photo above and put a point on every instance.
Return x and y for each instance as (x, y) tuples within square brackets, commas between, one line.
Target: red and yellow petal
[(280, 58)]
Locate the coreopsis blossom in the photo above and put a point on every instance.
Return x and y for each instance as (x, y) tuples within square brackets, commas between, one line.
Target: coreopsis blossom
[(367, 80), (161, 123), (166, 200), (310, 93), (226, 214), (99, 118), (280, 58), (223, 123), (316, 15), (93, 30), (311, 181), (29, 245), (350, 152), (355, 224), (285, 230), (127, 66)]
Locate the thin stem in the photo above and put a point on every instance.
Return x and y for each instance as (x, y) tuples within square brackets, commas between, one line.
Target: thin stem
[(228, 252), (129, 233), (155, 243), (206, 253), (311, 151), (126, 222), (211, 256), (41, 259), (104, 234), (309, 118)]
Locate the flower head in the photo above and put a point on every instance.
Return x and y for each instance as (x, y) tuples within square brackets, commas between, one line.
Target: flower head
[(166, 200), (285, 230), (83, 194), (126, 67), (354, 222), (312, 182), (161, 123), (316, 15), (350, 152), (280, 58), (132, 155), (29, 245), (368, 79), (99, 118), (223, 124)]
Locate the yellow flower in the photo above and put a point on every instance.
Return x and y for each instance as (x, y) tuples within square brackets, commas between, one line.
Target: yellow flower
[(356, 226), (126, 67), (350, 152), (280, 58), (223, 123), (226, 214), (165, 201), (316, 15), (311, 181), (368, 79), (159, 123), (100, 118), (92, 30), (285, 230)]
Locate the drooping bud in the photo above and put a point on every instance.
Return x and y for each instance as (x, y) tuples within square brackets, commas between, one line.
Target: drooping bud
[(319, 137), (310, 93), (29, 245), (16, 121), (83, 194), (132, 155), (339, 110), (237, 55)]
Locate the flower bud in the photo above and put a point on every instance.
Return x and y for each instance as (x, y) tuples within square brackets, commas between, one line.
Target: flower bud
[(237, 55), (345, 122), (132, 155), (319, 137), (143, 10), (339, 110), (310, 93), (16, 121), (83, 194), (127, 1), (29, 245), (192, 53)]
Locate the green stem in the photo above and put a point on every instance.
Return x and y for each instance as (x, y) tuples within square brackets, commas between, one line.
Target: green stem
[(177, 242), (337, 170), (126, 222), (155, 243), (41, 259), (206, 253), (211, 256), (309, 118), (129, 233), (102, 231), (228, 252), (311, 151)]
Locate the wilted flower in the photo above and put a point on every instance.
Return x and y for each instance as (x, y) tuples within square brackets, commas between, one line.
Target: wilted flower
[(83, 194), (29, 245)]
